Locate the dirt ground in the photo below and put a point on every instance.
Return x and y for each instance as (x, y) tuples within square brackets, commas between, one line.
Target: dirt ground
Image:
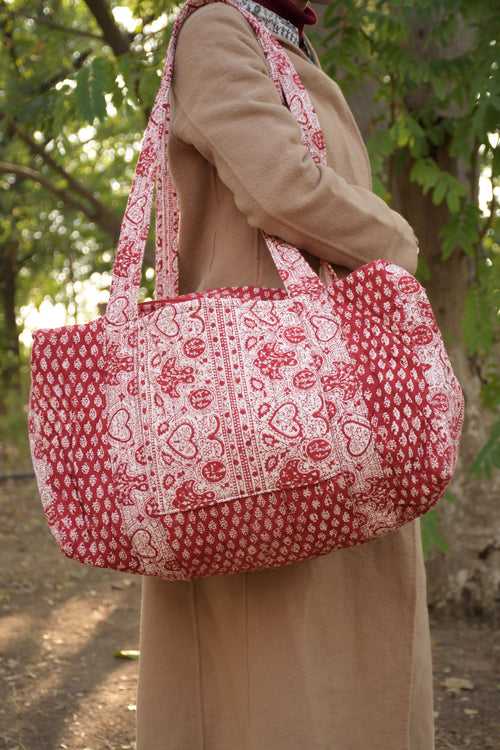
[(62, 687)]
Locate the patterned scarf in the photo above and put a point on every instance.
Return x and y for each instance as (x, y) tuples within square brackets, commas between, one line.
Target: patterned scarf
[(289, 10)]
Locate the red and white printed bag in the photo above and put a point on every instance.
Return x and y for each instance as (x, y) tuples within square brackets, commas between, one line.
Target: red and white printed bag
[(239, 428)]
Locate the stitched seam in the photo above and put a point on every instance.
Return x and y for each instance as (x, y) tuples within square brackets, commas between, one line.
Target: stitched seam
[(247, 735), (200, 692), (212, 253), (147, 394), (412, 645)]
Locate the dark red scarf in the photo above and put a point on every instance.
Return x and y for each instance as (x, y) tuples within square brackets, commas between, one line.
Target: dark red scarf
[(287, 9)]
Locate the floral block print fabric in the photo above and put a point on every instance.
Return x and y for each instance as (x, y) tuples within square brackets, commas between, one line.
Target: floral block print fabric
[(242, 427)]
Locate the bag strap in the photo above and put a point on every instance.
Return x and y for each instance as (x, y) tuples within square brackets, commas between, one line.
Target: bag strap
[(298, 277)]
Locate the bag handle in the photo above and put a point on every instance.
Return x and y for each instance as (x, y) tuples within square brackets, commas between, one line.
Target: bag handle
[(298, 277)]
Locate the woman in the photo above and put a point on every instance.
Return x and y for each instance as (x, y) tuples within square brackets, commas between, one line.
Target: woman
[(331, 653)]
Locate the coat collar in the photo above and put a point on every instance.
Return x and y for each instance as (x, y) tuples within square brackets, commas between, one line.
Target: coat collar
[(281, 28)]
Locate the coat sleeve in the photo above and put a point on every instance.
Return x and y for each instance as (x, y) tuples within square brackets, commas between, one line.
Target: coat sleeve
[(227, 107)]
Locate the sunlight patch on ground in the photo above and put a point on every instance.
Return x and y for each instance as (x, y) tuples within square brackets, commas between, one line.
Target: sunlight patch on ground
[(13, 628)]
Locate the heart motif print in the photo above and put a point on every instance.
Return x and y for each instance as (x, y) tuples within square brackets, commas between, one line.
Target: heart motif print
[(358, 434), (119, 428), (284, 421)]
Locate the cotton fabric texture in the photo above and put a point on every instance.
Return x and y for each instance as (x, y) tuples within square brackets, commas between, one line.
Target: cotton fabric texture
[(331, 653)]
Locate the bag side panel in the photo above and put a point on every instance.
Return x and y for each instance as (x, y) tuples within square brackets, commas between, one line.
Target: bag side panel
[(98, 489), (70, 446), (50, 430)]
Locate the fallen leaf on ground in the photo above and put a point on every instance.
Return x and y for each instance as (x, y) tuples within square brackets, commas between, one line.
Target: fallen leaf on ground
[(127, 654), (455, 684)]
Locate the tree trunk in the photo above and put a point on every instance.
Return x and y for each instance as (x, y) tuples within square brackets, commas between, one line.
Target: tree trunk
[(10, 366)]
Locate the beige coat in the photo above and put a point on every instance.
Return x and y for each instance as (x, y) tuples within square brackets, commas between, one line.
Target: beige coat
[(326, 654)]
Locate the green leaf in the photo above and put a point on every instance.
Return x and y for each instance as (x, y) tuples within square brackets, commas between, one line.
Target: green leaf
[(440, 86), (492, 115), (432, 537), (439, 192), (425, 173), (461, 232), (102, 81), (94, 81), (104, 70), (82, 93), (476, 321), (453, 200), (490, 391), (488, 458), (450, 497), (495, 162)]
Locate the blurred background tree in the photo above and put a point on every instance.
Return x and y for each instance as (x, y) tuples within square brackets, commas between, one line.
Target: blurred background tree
[(77, 80), (423, 80)]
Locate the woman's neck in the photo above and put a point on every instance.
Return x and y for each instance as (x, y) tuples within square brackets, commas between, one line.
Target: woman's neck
[(297, 11)]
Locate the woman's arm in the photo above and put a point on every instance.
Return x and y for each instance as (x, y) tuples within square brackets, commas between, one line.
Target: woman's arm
[(227, 107)]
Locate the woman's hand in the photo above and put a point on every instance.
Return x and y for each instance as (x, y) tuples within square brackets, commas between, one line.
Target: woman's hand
[(341, 271), (314, 262)]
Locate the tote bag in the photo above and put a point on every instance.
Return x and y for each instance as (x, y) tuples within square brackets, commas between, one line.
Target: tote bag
[(239, 428)]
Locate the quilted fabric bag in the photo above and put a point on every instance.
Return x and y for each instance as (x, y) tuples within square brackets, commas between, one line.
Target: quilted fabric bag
[(239, 428)]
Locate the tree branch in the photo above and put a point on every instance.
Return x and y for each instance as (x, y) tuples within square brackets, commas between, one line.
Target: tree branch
[(101, 216), (72, 183), (8, 31), (79, 61), (121, 48), (113, 35), (59, 27)]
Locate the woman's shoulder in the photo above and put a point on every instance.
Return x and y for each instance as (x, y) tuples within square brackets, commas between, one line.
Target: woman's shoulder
[(213, 41), (216, 18)]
